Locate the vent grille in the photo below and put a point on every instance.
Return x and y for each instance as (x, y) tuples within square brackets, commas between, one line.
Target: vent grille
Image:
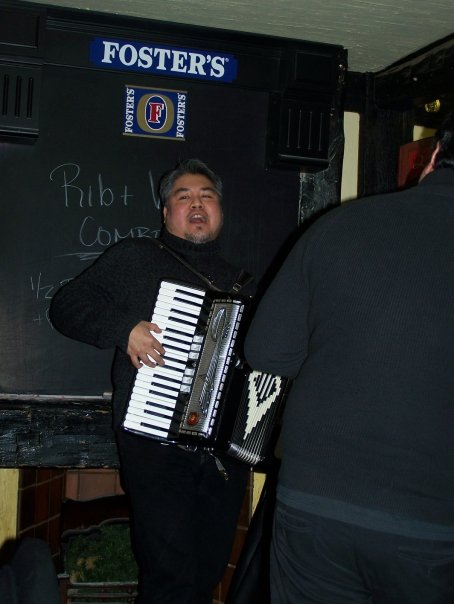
[(304, 131), (19, 100)]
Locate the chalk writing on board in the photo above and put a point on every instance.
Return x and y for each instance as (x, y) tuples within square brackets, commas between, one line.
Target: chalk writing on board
[(42, 292), (92, 236), (43, 319), (41, 289), (155, 197), (66, 176)]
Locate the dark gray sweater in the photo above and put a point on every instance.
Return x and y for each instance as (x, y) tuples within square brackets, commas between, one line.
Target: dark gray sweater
[(103, 304), (362, 316)]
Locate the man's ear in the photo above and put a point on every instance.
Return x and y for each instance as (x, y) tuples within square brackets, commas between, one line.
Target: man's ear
[(164, 214)]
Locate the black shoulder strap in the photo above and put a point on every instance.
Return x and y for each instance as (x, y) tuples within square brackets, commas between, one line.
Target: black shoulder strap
[(243, 278), (162, 246)]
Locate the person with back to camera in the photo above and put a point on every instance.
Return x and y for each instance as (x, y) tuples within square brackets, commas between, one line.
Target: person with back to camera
[(365, 495), (184, 512)]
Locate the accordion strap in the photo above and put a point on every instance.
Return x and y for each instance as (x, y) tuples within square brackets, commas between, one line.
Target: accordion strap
[(243, 278)]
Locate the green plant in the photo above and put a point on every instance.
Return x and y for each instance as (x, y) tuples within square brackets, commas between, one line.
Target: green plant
[(103, 554)]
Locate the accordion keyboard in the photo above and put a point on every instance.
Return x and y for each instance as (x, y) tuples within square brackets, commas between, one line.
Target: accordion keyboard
[(179, 400), (153, 400)]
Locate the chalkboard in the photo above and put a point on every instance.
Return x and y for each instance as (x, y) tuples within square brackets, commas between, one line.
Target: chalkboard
[(84, 185)]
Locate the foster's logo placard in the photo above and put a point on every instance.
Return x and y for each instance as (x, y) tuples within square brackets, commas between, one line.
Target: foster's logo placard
[(155, 112)]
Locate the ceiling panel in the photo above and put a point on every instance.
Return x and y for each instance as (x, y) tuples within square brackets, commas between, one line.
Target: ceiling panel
[(375, 33)]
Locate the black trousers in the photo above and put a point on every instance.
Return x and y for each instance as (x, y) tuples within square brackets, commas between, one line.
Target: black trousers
[(184, 517), (317, 560)]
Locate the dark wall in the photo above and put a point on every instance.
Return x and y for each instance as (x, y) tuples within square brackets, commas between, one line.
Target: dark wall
[(73, 183)]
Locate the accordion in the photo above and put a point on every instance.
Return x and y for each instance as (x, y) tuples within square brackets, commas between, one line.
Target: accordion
[(204, 395)]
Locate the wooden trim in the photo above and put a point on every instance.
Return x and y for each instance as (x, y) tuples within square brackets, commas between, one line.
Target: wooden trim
[(56, 434), (9, 493)]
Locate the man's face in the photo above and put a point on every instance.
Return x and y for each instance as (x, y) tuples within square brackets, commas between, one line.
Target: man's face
[(193, 210)]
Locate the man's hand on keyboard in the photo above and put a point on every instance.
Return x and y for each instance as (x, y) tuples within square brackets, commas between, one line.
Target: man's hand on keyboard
[(144, 347)]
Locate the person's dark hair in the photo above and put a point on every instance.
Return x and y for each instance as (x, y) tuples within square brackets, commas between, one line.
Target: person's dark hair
[(445, 138), (187, 166)]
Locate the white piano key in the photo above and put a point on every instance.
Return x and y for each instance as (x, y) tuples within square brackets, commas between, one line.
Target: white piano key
[(170, 363), (185, 304), (169, 305), (145, 410), (164, 322), (173, 361), (172, 336), (181, 297), (154, 390), (165, 371), (155, 405), (150, 415), (175, 348), (146, 387), (176, 352), (151, 382), (141, 407), (170, 384), (171, 286), (164, 380), (178, 321), (157, 394), (144, 396), (176, 291), (175, 316), (173, 290), (139, 427)]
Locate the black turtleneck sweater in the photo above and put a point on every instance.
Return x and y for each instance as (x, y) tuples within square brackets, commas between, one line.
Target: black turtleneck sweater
[(102, 305)]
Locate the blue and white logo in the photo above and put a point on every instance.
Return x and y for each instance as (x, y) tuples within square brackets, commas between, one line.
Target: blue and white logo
[(155, 112), (163, 60)]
